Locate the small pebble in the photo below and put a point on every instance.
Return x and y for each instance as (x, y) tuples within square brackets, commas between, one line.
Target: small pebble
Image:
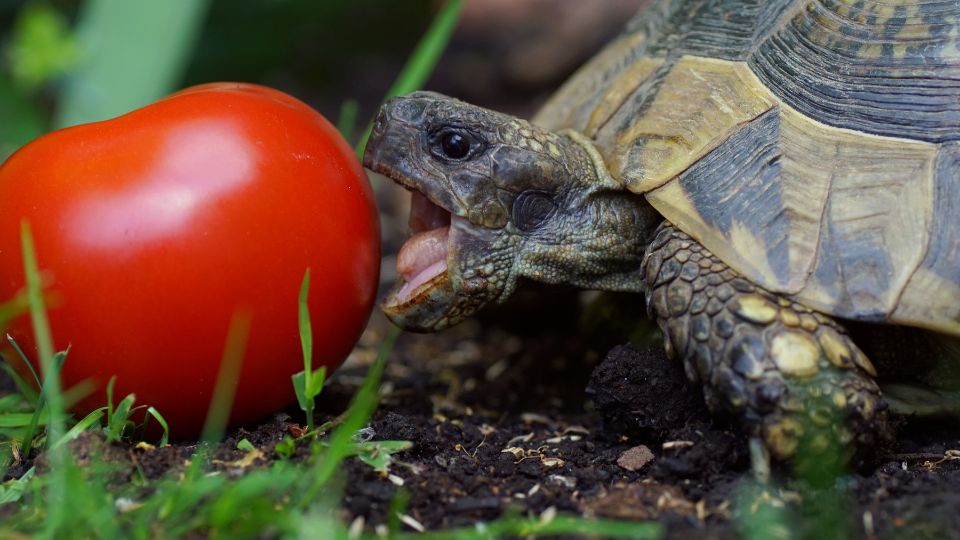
[(635, 458)]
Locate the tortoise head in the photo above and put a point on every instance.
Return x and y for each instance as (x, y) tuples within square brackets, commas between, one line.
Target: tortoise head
[(496, 199)]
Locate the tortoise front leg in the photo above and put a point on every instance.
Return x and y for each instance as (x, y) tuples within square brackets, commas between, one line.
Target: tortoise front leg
[(790, 376)]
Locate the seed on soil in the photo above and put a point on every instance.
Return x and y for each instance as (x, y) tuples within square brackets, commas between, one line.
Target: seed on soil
[(635, 458), (534, 418), (551, 462), (356, 528), (674, 445), (548, 515), (520, 438), (579, 430), (565, 481), (412, 523), (496, 370), (124, 505), (517, 452), (560, 439), (248, 460)]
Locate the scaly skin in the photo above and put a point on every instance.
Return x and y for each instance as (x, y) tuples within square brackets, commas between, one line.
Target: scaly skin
[(529, 203), (784, 371), (525, 203)]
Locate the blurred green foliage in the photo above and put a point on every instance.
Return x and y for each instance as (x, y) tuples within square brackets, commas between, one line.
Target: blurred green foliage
[(43, 47), (20, 119), (64, 62), (134, 52)]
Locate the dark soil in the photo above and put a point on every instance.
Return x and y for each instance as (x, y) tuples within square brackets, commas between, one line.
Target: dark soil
[(534, 406), (504, 421)]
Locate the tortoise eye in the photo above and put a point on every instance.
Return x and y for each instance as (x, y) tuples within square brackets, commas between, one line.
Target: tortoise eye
[(454, 145), (531, 209)]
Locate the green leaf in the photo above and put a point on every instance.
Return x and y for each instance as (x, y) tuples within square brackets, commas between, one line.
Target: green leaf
[(306, 395), (299, 380), (16, 419), (88, 422), (12, 490), (58, 360), (303, 382), (286, 448), (379, 454), (152, 412), (23, 387), (43, 47), (11, 403), (110, 385), (133, 53), (316, 381), (391, 447), (26, 361), (245, 445), (120, 419), (18, 305), (306, 332)]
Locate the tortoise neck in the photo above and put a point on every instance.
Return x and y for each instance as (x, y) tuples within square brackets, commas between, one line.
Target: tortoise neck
[(600, 173)]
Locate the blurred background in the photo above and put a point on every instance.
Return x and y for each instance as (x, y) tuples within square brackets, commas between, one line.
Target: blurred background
[(70, 61), (64, 62)]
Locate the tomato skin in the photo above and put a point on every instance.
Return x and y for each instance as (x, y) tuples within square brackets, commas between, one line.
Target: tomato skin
[(155, 227)]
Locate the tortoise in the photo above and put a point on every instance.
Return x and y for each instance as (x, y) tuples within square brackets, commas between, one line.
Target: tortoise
[(768, 173)]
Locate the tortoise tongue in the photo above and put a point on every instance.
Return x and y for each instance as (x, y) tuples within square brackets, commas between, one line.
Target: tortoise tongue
[(422, 258)]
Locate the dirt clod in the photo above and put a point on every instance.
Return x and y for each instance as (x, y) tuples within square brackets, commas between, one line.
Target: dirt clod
[(635, 458)]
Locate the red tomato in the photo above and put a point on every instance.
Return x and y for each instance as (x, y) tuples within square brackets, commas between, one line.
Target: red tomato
[(154, 228)]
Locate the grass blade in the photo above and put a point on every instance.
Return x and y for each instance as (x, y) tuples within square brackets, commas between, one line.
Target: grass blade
[(361, 408), (14, 419), (110, 386), (25, 360), (306, 332), (88, 422), (60, 466), (23, 387), (347, 121), (13, 490), (120, 419), (165, 438), (43, 337), (18, 304), (424, 58), (226, 385)]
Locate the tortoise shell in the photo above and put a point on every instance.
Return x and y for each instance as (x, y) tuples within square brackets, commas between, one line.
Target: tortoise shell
[(810, 144)]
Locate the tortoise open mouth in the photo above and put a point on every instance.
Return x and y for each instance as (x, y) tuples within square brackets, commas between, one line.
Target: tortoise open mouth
[(422, 261)]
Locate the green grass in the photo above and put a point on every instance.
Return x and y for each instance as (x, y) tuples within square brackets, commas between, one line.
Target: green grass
[(227, 377), (308, 383), (286, 495), (287, 499)]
